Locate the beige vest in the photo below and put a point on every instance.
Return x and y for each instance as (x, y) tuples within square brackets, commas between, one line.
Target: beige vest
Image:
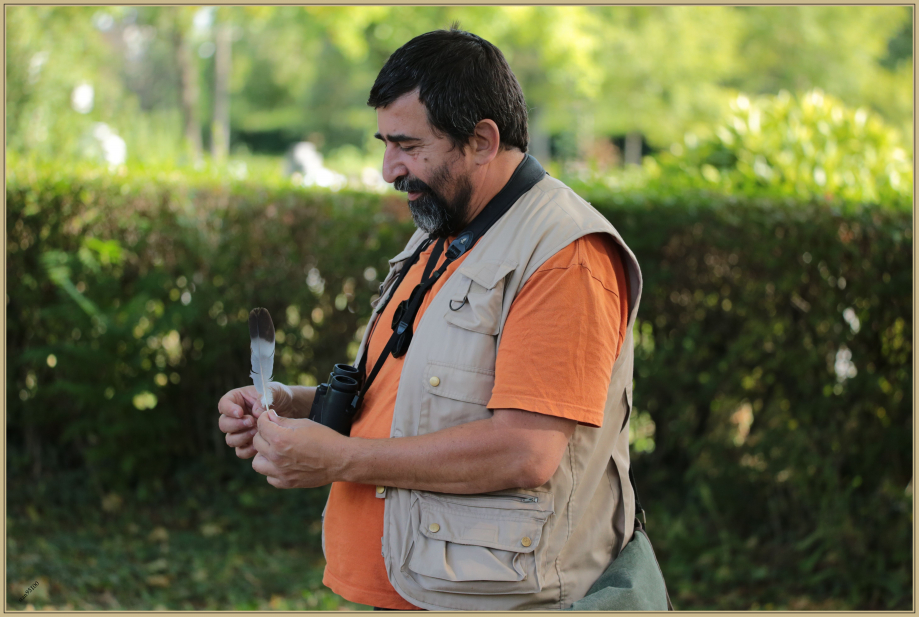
[(513, 549)]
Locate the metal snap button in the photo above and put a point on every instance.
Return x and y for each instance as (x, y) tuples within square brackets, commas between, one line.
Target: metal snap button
[(526, 541), (433, 527), (434, 381), (381, 490)]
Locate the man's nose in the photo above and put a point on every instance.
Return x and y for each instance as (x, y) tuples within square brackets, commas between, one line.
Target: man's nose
[(393, 167)]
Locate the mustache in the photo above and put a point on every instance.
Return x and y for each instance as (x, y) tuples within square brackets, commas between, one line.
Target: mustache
[(406, 184)]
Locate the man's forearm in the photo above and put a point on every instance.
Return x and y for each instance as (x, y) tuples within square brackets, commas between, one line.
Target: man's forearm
[(486, 455), (512, 449)]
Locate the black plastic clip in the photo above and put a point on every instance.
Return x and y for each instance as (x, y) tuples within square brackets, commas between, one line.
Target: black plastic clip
[(404, 338), (459, 246), (397, 315)]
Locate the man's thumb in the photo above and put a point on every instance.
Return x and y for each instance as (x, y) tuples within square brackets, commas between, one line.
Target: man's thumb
[(272, 417)]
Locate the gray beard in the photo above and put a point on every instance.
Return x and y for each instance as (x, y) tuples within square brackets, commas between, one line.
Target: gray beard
[(432, 217), (438, 217)]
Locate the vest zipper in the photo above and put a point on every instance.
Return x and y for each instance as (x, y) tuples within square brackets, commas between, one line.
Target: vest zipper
[(460, 499), (517, 497)]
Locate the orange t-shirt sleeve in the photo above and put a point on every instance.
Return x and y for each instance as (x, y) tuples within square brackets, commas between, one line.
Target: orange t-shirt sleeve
[(563, 334)]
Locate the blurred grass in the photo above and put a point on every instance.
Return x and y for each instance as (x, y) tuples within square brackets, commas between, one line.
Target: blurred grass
[(200, 541)]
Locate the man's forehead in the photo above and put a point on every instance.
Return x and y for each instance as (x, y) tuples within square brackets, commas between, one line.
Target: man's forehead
[(409, 102), (404, 119)]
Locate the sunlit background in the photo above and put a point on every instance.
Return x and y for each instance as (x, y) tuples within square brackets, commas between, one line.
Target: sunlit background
[(282, 90), (169, 168)]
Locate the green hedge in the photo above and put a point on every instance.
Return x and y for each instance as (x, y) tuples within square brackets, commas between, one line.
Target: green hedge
[(772, 475), (809, 146), (140, 292), (771, 479)]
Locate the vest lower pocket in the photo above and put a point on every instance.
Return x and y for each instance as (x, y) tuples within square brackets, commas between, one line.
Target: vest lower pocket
[(477, 544)]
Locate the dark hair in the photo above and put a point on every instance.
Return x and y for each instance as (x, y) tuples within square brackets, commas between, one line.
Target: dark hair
[(461, 79)]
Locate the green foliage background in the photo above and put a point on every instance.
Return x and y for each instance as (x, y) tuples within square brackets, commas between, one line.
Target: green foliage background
[(772, 429), (811, 146), (772, 478), (304, 72)]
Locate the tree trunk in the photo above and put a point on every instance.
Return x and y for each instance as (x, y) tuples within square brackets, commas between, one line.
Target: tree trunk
[(220, 133), (539, 140), (633, 149), (33, 448), (188, 78)]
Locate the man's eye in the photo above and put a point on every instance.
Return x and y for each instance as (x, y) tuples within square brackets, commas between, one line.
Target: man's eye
[(407, 148)]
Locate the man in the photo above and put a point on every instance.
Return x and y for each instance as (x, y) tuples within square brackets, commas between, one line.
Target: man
[(488, 467)]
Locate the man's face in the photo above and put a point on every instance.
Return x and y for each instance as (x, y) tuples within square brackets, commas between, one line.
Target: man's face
[(426, 166)]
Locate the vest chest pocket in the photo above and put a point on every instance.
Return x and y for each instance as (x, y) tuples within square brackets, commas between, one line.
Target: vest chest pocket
[(478, 544), (460, 383), (477, 305), (454, 395)]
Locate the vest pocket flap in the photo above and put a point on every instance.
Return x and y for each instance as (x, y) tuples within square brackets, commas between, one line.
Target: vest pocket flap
[(471, 385), (477, 544), (508, 530), (477, 304), (488, 273)]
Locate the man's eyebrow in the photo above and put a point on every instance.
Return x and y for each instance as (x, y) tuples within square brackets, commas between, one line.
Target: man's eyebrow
[(398, 138)]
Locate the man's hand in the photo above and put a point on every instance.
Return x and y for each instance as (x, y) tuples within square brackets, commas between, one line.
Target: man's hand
[(240, 408), (297, 453)]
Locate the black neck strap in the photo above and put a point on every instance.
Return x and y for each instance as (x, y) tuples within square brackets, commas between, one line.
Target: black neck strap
[(527, 174)]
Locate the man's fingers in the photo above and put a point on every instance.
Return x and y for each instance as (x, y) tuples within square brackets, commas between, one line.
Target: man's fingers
[(231, 404), (228, 424), (275, 482), (247, 452), (236, 403), (240, 440), (263, 466), (260, 443), (267, 469)]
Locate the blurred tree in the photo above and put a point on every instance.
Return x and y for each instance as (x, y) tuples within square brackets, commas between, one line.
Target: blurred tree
[(843, 50), (179, 20), (665, 70), (304, 72), (50, 52), (220, 133), (272, 72), (587, 70)]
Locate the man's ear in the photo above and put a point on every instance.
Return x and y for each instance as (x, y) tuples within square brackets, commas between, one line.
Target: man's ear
[(485, 141)]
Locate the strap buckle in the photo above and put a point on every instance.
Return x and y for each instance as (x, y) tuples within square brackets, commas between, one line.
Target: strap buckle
[(460, 245), (403, 339), (397, 315)]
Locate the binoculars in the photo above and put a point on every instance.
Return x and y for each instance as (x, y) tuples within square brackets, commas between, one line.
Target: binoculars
[(334, 405)]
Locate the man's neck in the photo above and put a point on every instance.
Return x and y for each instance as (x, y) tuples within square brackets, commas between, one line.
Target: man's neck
[(495, 176)]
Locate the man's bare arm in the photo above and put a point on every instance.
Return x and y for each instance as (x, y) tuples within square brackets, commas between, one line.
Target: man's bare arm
[(512, 449)]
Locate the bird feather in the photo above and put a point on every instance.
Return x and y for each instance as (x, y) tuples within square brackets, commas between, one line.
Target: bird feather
[(261, 331)]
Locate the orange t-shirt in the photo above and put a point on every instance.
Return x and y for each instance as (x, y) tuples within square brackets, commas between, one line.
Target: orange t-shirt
[(562, 335)]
